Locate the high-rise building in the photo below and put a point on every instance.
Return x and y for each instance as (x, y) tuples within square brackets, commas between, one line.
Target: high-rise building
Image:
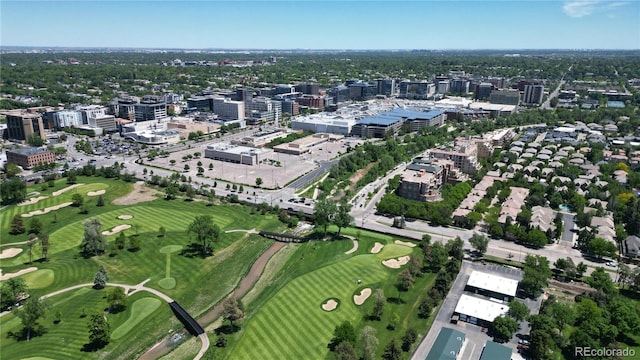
[(67, 118), (227, 109), (91, 112), (443, 86), (340, 94), (419, 90), (308, 88), (460, 86), (151, 107), (385, 87), (126, 109), (244, 94), (261, 110), (533, 94), (361, 91), (483, 90), (20, 125)]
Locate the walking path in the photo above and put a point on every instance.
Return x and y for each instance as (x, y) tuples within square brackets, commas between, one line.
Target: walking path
[(355, 245), (245, 285)]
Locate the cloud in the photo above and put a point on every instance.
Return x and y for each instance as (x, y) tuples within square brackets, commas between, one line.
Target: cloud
[(582, 8)]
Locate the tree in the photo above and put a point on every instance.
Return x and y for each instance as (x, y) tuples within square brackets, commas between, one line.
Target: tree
[(77, 200), (343, 333), (100, 201), (518, 310), (426, 241), (259, 182), (33, 310), (232, 310), (30, 244), (11, 170), (408, 339), (624, 274), (12, 291), (71, 177), (479, 242), (93, 242), (379, 300), (435, 255), (503, 327), (601, 281), (13, 191), (345, 351), (99, 330), (392, 351), (121, 240), (343, 216), (601, 247), (369, 342), (415, 265), (35, 140), (44, 244), (324, 212), (134, 243), (35, 226), (405, 280), (426, 307), (17, 225), (100, 279), (581, 268), (536, 275), (117, 299), (206, 232), (162, 231)]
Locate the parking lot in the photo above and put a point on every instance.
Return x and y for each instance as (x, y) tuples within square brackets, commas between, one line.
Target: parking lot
[(475, 336)]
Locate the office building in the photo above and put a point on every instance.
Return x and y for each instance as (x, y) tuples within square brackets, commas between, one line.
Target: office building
[(30, 157), (91, 112), (290, 107), (227, 109), (361, 91), (20, 125), (533, 94), (443, 86), (308, 89), (340, 94), (125, 109), (244, 94), (483, 91), (386, 87), (459, 86), (202, 103), (261, 110), (417, 90), (505, 97), (151, 108), (447, 346), (311, 101), (107, 123)]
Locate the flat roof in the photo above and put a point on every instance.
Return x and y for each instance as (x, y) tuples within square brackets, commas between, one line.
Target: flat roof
[(495, 283), (28, 151), (396, 115), (237, 149), (480, 308), (447, 345), (495, 351)]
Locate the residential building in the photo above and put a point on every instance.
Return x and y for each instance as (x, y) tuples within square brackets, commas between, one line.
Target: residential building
[(512, 206), (631, 246), (506, 97), (533, 94), (30, 157), (447, 346), (151, 108), (423, 179), (542, 218), (464, 155), (67, 118), (20, 125)]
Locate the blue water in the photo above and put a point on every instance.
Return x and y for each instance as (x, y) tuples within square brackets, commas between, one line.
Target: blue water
[(564, 208)]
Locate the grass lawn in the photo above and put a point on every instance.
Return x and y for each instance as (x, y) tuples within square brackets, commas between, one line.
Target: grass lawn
[(287, 321), (198, 283)]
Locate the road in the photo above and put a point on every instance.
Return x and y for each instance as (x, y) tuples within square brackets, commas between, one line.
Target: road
[(554, 93)]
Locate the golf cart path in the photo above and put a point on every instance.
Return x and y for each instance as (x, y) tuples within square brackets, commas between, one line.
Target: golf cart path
[(355, 245)]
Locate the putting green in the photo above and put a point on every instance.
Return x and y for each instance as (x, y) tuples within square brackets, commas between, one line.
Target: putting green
[(167, 283), (39, 279), (170, 249), (139, 310)]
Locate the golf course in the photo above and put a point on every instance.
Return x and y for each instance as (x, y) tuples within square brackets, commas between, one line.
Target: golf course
[(291, 310)]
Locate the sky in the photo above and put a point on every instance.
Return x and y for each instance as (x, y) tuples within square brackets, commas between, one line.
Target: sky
[(317, 24)]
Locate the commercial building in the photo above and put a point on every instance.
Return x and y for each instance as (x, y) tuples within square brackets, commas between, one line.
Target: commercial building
[(20, 125), (106, 122), (304, 145), (30, 157), (323, 124), (492, 286), (533, 94), (361, 91), (386, 87), (418, 90), (459, 86), (261, 110), (478, 311), (237, 154), (311, 101), (125, 108), (340, 94), (483, 91), (494, 110), (447, 346), (262, 138), (308, 88), (90, 112), (377, 126), (423, 179), (227, 109), (200, 103), (443, 86), (495, 351), (154, 137), (150, 108)]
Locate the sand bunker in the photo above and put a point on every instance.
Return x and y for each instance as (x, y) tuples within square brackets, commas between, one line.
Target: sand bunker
[(9, 253), (405, 243), (396, 263), (364, 295), (32, 201), (125, 217), (116, 229), (377, 247), (56, 193), (96, 193), (46, 210), (18, 273), (139, 194), (330, 305)]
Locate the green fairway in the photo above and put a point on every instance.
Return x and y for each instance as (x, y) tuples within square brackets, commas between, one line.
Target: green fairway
[(140, 309), (39, 279), (170, 249), (293, 325), (167, 283)]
